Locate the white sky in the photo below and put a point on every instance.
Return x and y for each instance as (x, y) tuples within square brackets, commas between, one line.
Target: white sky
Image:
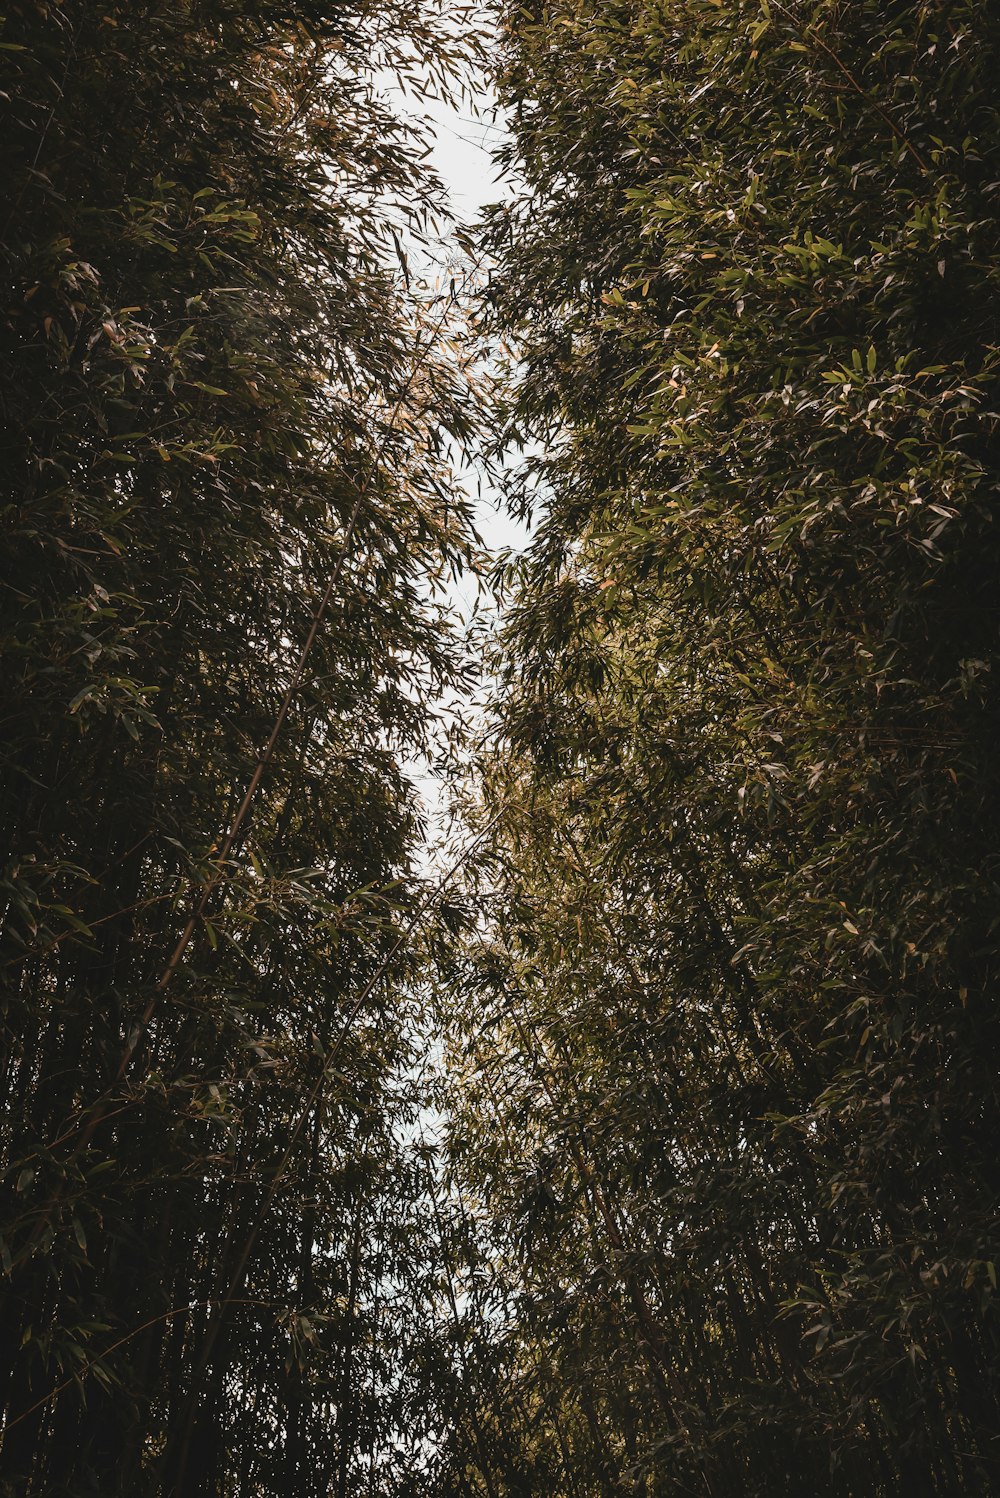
[(462, 152)]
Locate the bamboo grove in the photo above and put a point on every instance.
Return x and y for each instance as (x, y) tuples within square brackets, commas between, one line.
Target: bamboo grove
[(650, 1149), (219, 400)]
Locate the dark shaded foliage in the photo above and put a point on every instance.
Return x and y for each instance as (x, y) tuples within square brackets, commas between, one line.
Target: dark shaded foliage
[(728, 1029), (216, 397)]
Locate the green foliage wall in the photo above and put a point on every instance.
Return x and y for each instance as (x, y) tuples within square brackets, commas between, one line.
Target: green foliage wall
[(217, 397), (730, 1095)]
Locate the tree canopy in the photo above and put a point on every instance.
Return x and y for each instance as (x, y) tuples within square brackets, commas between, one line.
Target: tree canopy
[(227, 497), (728, 1015), (649, 1148)]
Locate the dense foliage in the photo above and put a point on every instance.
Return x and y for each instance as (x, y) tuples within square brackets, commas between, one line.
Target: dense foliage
[(695, 1192), (725, 1031), (221, 401)]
